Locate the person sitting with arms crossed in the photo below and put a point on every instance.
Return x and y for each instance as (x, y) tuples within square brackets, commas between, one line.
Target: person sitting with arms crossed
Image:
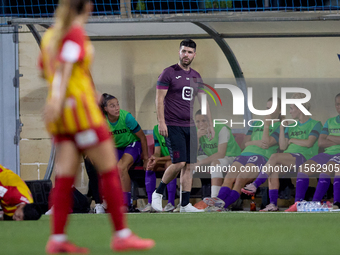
[(218, 152)]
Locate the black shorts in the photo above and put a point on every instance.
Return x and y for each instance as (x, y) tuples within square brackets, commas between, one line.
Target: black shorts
[(182, 144)]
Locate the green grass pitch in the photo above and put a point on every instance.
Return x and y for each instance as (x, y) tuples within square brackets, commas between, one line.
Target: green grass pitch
[(201, 233)]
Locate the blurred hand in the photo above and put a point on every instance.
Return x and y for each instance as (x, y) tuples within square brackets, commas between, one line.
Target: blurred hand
[(163, 129), (151, 163), (52, 110), (145, 163), (264, 145), (201, 132), (211, 132)]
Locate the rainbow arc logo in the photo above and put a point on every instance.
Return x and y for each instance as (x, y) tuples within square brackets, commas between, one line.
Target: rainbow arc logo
[(209, 93)]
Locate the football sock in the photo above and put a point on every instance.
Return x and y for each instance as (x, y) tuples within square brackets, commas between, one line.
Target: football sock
[(172, 191), (261, 178), (336, 188), (62, 202), (185, 198), (273, 196), (113, 195), (124, 233), (234, 195), (302, 183), (161, 188), (127, 199), (150, 183), (215, 190), (224, 193), (59, 238), (322, 187)]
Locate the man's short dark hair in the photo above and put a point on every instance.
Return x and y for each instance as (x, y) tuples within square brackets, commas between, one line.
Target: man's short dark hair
[(188, 43), (198, 113), (31, 212)]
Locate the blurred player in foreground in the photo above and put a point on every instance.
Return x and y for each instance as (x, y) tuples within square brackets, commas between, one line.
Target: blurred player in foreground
[(77, 125)]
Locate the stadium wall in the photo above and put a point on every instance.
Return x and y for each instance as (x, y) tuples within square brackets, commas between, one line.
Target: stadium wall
[(129, 70)]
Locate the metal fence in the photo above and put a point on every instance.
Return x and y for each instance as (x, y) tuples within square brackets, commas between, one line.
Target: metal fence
[(45, 8)]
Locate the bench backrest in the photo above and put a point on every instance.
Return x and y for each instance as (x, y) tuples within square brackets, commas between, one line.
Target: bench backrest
[(239, 138)]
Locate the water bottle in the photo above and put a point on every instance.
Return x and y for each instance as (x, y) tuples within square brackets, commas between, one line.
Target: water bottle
[(252, 204), (318, 206), (313, 206), (324, 207)]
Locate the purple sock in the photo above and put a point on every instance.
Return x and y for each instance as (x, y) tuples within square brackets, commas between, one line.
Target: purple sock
[(261, 178), (172, 191), (224, 193), (273, 195), (336, 189), (127, 199), (234, 195), (150, 183), (302, 183), (322, 187)]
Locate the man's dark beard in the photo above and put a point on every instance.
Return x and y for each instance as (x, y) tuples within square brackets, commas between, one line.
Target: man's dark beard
[(185, 65)]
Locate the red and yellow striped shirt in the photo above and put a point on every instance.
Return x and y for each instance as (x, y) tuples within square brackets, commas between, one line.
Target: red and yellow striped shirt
[(13, 191), (80, 109)]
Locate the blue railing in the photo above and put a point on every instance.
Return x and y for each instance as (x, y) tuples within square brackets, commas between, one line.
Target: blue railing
[(45, 8)]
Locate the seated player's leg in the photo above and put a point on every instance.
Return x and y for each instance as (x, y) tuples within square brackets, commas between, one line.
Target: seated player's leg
[(126, 158), (171, 187), (246, 177), (276, 160), (302, 181), (249, 162), (241, 180), (217, 175), (307, 169), (216, 179), (336, 183), (273, 166), (226, 188), (334, 166), (325, 177), (291, 160), (150, 186), (124, 164)]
